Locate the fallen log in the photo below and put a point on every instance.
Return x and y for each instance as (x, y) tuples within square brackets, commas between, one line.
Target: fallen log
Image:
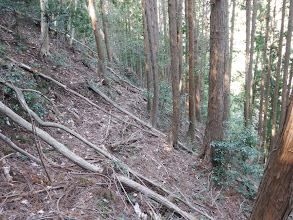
[(88, 166), (18, 149)]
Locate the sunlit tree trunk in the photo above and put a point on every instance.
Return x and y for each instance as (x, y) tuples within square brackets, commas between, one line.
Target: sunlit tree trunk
[(174, 41), (109, 55), (275, 194), (71, 23), (44, 28), (191, 92), (264, 58), (268, 79), (247, 78), (98, 38), (290, 82), (219, 64), (276, 91), (286, 65), (250, 69)]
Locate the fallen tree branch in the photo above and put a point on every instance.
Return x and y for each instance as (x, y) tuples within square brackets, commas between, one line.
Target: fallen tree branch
[(32, 70), (49, 139), (95, 89), (123, 80), (18, 149), (84, 164)]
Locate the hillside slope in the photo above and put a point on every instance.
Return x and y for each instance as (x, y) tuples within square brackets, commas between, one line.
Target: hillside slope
[(74, 193)]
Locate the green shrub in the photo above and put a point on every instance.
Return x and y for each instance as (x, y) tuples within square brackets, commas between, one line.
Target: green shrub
[(236, 158)]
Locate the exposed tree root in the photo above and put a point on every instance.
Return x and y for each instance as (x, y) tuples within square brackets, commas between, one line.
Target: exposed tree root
[(88, 166), (18, 149)]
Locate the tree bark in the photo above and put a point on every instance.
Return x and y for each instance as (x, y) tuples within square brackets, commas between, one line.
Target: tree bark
[(260, 127), (276, 92), (219, 60), (179, 43), (98, 38), (174, 49), (104, 21), (247, 46), (44, 28), (191, 92), (152, 34), (286, 66), (250, 69), (146, 53), (275, 194)]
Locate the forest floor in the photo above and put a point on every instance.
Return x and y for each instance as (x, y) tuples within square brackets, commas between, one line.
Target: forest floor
[(74, 193)]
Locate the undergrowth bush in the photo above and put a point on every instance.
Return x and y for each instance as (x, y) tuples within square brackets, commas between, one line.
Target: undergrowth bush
[(237, 159)]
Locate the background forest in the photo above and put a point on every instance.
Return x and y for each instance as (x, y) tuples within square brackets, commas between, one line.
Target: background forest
[(170, 109)]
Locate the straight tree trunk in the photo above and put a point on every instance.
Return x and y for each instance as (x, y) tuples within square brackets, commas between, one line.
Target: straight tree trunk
[(179, 43), (174, 49), (290, 82), (153, 44), (197, 77), (186, 80), (232, 37), (275, 194), (219, 64), (72, 27), (146, 53), (264, 58), (247, 46), (251, 53), (105, 31), (44, 28), (264, 131), (191, 92), (165, 38), (98, 38), (276, 92), (286, 66)]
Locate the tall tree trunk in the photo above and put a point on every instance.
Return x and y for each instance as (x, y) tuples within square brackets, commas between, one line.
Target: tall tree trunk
[(146, 53), (174, 49), (153, 44), (197, 76), (275, 194), (232, 36), (290, 82), (286, 66), (165, 38), (105, 31), (71, 24), (179, 43), (191, 92), (264, 58), (98, 38), (219, 64), (186, 80), (264, 131), (251, 53), (276, 92), (44, 28), (247, 79)]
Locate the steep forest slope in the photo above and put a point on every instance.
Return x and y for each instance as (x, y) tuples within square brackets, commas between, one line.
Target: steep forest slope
[(73, 192)]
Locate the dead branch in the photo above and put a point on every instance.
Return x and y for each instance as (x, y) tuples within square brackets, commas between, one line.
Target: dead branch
[(88, 166), (18, 149), (32, 70), (95, 89), (49, 140), (123, 80)]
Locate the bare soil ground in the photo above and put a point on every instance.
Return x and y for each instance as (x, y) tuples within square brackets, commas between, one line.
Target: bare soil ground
[(74, 193)]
